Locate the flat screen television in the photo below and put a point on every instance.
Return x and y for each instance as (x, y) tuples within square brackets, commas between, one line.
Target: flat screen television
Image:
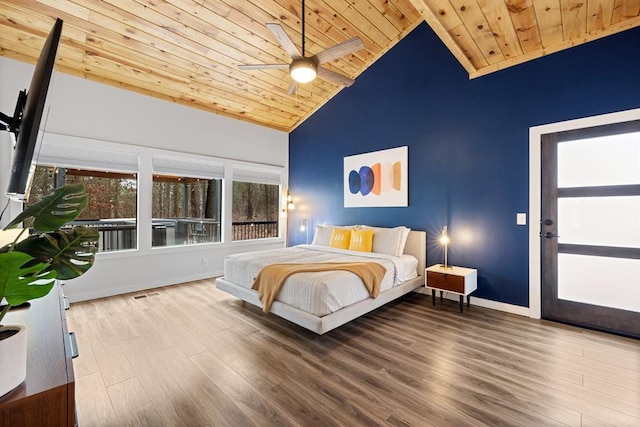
[(25, 123)]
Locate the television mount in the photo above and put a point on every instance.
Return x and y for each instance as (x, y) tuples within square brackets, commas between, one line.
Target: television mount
[(12, 124)]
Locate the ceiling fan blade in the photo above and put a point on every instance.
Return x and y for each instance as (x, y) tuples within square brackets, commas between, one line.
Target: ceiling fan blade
[(335, 77), (293, 88), (284, 40), (344, 48), (263, 66)]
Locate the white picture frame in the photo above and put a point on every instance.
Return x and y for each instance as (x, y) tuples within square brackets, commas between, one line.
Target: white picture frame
[(377, 179)]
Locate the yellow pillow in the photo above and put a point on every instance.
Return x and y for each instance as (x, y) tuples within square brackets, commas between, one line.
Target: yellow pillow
[(361, 240), (340, 238)]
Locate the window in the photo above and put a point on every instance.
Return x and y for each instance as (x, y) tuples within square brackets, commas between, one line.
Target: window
[(185, 210), (256, 204), (184, 197), (112, 204), (186, 200)]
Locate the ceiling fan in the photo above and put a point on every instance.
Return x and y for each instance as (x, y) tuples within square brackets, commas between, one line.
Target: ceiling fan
[(303, 69)]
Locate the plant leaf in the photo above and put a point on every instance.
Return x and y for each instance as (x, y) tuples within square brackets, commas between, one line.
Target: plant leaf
[(69, 252), (20, 283), (55, 210)]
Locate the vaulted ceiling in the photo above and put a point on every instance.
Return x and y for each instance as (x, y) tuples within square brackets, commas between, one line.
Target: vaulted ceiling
[(188, 51)]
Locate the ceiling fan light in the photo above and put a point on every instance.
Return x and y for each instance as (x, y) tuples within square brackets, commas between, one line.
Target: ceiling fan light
[(303, 70)]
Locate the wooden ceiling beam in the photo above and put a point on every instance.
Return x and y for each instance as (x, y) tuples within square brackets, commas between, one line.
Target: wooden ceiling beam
[(430, 17)]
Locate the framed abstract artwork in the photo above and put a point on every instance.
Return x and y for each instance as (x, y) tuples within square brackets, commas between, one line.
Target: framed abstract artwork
[(376, 179)]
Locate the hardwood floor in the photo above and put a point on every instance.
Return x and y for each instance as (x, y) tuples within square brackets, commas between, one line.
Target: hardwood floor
[(191, 355)]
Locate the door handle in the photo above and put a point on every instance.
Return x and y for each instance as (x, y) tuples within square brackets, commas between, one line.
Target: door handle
[(548, 235)]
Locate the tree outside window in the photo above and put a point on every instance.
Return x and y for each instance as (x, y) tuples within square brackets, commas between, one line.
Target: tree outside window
[(185, 210), (112, 204), (255, 210)]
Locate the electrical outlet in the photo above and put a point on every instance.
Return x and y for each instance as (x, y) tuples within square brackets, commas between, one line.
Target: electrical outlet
[(205, 261)]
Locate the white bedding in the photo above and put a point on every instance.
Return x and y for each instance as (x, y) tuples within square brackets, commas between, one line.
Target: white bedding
[(318, 293)]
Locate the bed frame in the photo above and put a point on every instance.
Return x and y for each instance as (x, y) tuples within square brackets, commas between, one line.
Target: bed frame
[(416, 245)]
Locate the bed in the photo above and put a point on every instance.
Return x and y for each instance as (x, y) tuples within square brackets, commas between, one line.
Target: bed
[(310, 300)]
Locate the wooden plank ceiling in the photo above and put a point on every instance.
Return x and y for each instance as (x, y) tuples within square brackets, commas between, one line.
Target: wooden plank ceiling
[(187, 51)]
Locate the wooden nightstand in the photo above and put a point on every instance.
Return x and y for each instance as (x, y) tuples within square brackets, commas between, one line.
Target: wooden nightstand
[(457, 280)]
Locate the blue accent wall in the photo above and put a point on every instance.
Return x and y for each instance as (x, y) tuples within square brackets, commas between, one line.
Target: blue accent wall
[(468, 145)]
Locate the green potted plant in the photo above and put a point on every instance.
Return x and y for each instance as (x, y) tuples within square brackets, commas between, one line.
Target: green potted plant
[(33, 260)]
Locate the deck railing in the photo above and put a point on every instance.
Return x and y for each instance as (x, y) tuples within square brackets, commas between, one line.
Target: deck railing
[(115, 235), (121, 234), (247, 230)]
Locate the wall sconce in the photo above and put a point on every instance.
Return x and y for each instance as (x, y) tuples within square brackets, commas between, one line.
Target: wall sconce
[(444, 240), (290, 205), (304, 226)]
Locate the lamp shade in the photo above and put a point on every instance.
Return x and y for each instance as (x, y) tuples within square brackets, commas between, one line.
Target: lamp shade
[(290, 205), (444, 240), (303, 70)]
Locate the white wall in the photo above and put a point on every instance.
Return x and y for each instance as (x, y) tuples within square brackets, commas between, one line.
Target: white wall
[(13, 208), (106, 116)]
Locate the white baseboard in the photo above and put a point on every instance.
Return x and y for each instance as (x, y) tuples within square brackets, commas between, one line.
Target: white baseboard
[(481, 302), (77, 297)]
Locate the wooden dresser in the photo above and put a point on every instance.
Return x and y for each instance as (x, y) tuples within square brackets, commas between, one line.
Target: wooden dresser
[(46, 397)]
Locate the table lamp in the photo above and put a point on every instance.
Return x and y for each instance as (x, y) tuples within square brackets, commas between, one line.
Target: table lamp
[(444, 240), (304, 226)]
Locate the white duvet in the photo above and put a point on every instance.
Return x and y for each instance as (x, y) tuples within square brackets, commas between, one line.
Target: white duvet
[(323, 292)]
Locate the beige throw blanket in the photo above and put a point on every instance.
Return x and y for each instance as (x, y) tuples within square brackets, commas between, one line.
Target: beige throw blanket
[(272, 277)]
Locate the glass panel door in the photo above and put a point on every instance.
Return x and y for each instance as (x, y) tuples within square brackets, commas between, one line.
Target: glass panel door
[(590, 230)]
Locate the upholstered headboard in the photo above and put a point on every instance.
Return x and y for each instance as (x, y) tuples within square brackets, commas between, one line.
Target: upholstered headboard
[(417, 246)]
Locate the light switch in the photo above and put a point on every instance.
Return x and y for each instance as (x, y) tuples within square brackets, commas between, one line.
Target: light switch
[(521, 218)]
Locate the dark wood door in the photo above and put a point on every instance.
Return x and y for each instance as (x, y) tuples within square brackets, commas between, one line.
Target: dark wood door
[(590, 227)]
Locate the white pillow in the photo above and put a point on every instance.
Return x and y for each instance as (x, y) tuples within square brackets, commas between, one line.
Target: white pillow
[(389, 241), (403, 240), (322, 236)]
